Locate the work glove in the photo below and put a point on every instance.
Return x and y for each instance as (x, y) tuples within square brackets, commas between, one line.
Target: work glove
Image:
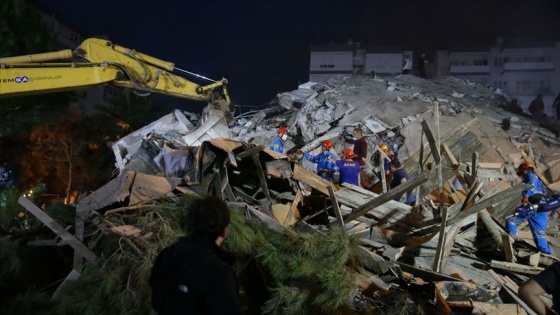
[(525, 200)]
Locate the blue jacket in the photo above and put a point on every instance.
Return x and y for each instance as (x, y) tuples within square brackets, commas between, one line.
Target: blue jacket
[(349, 171), (538, 186), (396, 181), (325, 167), (277, 145), (387, 162)]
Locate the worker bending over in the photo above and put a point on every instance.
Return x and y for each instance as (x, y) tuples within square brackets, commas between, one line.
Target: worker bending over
[(400, 176), (349, 168), (325, 160)]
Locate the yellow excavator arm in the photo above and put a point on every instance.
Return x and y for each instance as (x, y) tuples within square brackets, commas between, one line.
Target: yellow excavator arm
[(104, 62)]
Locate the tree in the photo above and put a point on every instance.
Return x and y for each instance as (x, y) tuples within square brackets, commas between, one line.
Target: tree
[(62, 144)]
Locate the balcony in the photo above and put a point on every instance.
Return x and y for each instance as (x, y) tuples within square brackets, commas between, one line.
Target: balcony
[(528, 66), (469, 69)]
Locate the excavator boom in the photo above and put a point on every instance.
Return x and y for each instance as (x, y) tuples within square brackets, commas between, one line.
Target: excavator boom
[(104, 63)]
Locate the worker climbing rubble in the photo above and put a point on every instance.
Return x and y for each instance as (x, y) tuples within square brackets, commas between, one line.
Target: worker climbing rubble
[(529, 210), (325, 160)]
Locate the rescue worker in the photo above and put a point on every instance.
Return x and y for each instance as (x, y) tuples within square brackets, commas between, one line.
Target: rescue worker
[(278, 143), (360, 145), (390, 155), (325, 160), (349, 168), (400, 176), (537, 220)]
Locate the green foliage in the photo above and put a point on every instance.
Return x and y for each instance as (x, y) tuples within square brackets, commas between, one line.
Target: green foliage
[(31, 302), (312, 272), (245, 236), (11, 262), (304, 273), (13, 216), (61, 213)]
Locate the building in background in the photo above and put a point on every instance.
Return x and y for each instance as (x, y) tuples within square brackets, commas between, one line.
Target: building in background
[(350, 58), (519, 69)]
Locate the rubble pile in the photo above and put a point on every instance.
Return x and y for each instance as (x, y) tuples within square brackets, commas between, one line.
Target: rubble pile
[(448, 253)]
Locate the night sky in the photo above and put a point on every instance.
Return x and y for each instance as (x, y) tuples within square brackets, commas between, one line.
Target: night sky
[(262, 47)]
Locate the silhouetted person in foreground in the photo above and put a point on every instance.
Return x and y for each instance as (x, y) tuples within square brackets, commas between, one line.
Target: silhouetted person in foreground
[(193, 276), (548, 281)]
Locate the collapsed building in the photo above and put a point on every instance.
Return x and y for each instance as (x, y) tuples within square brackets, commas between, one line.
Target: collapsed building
[(457, 139)]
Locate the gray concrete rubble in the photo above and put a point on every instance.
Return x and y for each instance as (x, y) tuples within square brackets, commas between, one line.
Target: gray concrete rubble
[(454, 137)]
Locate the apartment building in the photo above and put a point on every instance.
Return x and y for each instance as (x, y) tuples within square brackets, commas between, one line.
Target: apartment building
[(327, 61), (521, 70)]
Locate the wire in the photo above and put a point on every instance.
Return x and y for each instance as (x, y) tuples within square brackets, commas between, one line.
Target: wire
[(194, 74)]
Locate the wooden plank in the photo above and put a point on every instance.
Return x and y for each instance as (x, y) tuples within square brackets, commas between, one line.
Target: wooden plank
[(496, 199), (441, 240), (125, 230), (231, 159), (495, 231), (312, 179), (474, 166), (383, 198), (239, 192), (544, 259), (278, 168), (336, 209), (79, 234), (58, 229), (508, 248), (293, 208), (450, 157), (431, 141), (490, 165), (471, 195), (266, 219), (249, 152), (504, 265), (534, 259), (127, 240), (457, 196), (262, 179), (383, 176)]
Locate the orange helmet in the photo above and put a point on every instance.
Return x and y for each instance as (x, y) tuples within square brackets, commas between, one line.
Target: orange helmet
[(348, 153), (524, 166), (384, 147), (327, 144), (283, 130)]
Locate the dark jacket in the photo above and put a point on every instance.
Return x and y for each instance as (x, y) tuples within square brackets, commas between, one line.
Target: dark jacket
[(360, 149), (193, 276)]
